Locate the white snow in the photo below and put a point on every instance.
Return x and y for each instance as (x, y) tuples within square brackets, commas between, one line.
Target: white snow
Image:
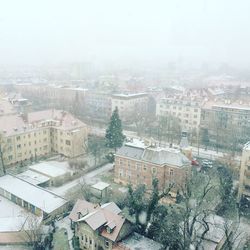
[(33, 177), (48, 169), (12, 217), (39, 197), (100, 185)]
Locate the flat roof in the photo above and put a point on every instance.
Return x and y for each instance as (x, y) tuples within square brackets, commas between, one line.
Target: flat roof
[(137, 242), (48, 169), (100, 185), (37, 196), (129, 95), (33, 177)]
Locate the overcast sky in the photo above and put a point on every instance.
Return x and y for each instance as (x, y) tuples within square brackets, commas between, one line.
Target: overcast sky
[(52, 31)]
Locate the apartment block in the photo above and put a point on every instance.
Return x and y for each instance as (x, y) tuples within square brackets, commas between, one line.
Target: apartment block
[(140, 165), (228, 117), (41, 133), (244, 181), (127, 104), (187, 112)]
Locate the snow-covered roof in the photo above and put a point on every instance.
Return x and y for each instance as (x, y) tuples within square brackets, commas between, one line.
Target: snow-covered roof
[(131, 152), (139, 242), (154, 155), (112, 207), (48, 169), (100, 185), (37, 196), (33, 177), (127, 96), (167, 156), (136, 143), (247, 146)]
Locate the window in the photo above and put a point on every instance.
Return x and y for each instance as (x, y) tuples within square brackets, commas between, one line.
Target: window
[(106, 243), (68, 142), (171, 172), (19, 146), (145, 168), (10, 157), (154, 170), (18, 138)]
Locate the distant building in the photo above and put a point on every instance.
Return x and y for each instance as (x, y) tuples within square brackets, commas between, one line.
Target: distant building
[(187, 112), (97, 104), (226, 117), (99, 227), (41, 133), (128, 104), (140, 165), (244, 181)]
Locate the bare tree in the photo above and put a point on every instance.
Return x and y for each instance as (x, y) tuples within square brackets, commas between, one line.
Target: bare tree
[(198, 202), (33, 231), (1, 155)]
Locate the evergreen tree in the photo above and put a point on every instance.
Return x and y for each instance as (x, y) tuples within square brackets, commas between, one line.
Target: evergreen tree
[(114, 136)]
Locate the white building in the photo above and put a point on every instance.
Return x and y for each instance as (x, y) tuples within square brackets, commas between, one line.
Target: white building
[(188, 112)]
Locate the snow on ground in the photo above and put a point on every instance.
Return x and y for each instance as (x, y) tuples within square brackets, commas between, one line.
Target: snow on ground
[(65, 223), (88, 178), (12, 217)]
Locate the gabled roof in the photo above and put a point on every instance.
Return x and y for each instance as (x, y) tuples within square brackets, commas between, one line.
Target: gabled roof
[(100, 218), (83, 207), (112, 207), (95, 219)]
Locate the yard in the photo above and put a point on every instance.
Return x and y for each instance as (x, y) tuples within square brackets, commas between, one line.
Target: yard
[(60, 240)]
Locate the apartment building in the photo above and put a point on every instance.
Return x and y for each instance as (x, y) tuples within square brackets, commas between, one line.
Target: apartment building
[(41, 133), (97, 104), (244, 181), (127, 104), (227, 117), (137, 164), (188, 112)]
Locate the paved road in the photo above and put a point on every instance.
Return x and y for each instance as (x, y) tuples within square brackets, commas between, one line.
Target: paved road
[(88, 178)]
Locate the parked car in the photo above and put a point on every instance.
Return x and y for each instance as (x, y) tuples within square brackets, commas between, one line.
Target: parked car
[(195, 162), (207, 164)]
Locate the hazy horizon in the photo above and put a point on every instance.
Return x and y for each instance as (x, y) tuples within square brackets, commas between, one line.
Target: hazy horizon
[(126, 32)]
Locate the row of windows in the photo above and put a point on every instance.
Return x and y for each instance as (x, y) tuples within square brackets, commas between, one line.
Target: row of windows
[(179, 108)]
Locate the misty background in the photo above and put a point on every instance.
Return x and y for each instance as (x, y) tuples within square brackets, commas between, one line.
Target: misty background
[(125, 32)]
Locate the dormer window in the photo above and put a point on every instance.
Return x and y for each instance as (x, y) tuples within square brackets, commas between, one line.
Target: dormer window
[(110, 227)]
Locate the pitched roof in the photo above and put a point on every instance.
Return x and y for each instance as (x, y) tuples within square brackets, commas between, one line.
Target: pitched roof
[(158, 156), (112, 207), (131, 152), (165, 156), (83, 207), (100, 217)]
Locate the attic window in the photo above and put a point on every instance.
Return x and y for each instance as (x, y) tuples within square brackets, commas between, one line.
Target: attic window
[(110, 227)]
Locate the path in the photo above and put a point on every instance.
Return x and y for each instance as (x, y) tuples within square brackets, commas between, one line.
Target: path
[(88, 178)]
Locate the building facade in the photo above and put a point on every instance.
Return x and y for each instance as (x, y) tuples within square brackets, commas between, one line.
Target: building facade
[(127, 104), (187, 112), (140, 165), (99, 227), (40, 134), (244, 181), (226, 124)]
